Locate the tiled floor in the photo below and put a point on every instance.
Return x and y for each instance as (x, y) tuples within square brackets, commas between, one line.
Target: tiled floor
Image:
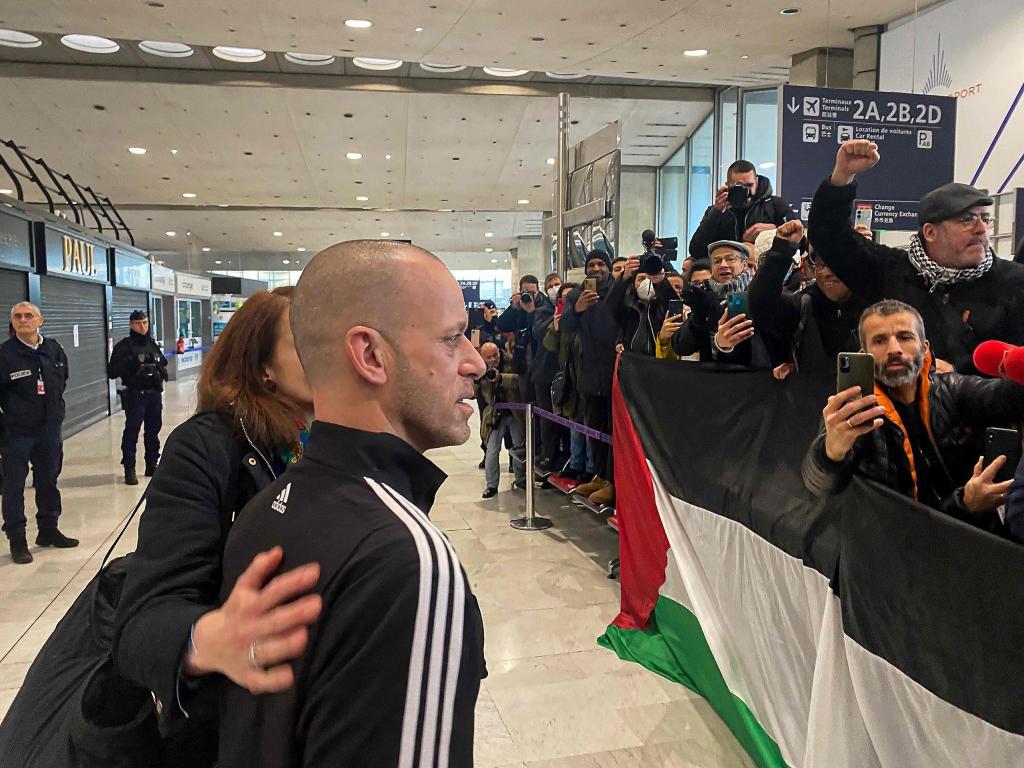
[(553, 699)]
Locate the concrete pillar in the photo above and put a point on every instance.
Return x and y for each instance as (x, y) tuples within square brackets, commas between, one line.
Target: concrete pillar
[(866, 46), (528, 259), (638, 197), (827, 67), (513, 254)]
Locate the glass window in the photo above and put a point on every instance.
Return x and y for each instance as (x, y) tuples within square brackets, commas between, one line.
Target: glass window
[(672, 195), (156, 320), (726, 131), (190, 322), (701, 186), (761, 130)]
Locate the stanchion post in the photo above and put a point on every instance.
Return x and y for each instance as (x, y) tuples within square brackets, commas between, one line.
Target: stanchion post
[(531, 522)]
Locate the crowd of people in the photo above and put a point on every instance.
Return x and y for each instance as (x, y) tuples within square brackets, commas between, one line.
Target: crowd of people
[(759, 292)]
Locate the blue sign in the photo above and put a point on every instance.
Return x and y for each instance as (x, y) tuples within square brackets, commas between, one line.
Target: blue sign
[(470, 291), (915, 134), (131, 271)]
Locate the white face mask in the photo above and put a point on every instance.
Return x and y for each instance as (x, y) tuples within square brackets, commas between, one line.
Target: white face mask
[(553, 293), (645, 290)]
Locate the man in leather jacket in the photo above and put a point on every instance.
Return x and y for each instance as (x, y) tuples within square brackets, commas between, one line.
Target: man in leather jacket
[(142, 368), (914, 434)]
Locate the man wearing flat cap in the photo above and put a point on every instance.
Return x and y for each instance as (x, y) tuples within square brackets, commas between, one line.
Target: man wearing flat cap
[(142, 368), (949, 273)]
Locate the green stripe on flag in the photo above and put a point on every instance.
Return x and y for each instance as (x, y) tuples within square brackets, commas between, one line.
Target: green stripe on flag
[(673, 645)]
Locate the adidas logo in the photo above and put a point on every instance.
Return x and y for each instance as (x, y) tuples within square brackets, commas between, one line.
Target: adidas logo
[(280, 504)]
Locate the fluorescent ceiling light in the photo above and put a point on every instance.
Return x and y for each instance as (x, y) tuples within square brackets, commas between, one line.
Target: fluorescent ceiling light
[(380, 65), (488, 250), (696, 52), (301, 250), (188, 194), (358, 23), (218, 261), (170, 234), (137, 150), (166, 49), (354, 155), (551, 161), (310, 59), (6, 191), (279, 234), (239, 55), (286, 261), (563, 75), (442, 68), (206, 250), (90, 44), (488, 234), (362, 198), (494, 261), (524, 201), (505, 72), (12, 38), (385, 234)]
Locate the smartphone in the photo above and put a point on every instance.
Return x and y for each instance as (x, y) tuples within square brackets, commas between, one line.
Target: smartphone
[(560, 306), (738, 304), (675, 307), (1003, 442), (590, 284), (855, 369), (864, 215), (474, 338)]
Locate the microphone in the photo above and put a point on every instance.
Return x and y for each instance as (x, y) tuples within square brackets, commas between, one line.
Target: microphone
[(997, 358)]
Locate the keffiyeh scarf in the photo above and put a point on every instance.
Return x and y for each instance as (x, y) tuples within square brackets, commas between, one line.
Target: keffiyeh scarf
[(937, 275)]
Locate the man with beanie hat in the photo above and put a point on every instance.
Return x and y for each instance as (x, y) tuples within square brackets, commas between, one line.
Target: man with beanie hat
[(588, 314), (950, 274), (142, 368)]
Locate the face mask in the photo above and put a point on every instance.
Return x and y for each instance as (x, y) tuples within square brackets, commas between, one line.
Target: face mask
[(645, 290), (553, 293)]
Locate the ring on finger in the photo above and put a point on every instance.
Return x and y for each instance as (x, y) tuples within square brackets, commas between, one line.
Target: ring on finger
[(252, 655), (849, 424)]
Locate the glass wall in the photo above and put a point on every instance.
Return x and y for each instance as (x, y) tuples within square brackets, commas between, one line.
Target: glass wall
[(190, 321), (273, 278), (761, 131), (701, 184), (672, 195), (495, 284), (727, 129)]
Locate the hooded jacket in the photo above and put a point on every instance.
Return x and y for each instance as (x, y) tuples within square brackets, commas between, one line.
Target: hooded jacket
[(598, 331), (958, 317), (765, 208), (953, 407)]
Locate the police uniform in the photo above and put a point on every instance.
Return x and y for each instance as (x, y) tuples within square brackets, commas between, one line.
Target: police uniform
[(142, 368), (32, 383)]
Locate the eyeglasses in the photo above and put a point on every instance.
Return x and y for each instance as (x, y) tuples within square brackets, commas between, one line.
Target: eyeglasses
[(719, 259), (969, 220)]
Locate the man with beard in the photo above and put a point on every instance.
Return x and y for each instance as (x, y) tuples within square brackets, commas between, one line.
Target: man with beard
[(965, 293), (392, 669), (913, 434)]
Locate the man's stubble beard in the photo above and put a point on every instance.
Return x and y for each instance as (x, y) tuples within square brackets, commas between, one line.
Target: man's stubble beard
[(423, 418), (909, 376)]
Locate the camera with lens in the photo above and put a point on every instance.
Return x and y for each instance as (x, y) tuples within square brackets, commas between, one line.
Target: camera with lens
[(656, 257), (738, 195), (491, 374), (526, 297)]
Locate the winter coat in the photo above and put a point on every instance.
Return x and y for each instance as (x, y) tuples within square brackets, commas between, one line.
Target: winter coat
[(958, 317), (716, 225), (639, 323), (139, 363), (598, 331), (1015, 505), (505, 391)]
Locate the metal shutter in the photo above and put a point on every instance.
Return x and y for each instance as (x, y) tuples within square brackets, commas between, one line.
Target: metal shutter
[(123, 303), (13, 288), (65, 304)]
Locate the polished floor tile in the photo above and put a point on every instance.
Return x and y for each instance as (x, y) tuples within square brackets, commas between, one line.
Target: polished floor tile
[(553, 698)]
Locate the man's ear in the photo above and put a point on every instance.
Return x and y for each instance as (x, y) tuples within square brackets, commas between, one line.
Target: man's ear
[(929, 232), (364, 348)]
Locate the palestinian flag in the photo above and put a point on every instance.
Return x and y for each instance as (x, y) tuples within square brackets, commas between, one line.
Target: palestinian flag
[(856, 631)]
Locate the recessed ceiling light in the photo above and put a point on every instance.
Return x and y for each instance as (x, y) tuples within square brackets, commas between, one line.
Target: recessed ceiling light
[(90, 44), (744, 56), (301, 250), (286, 261), (174, 151), (488, 234), (789, 11), (222, 205), (442, 68), (12, 38), (488, 250), (362, 198), (218, 261), (170, 234), (358, 23), (354, 155), (418, 29), (167, 50), (206, 250), (524, 201), (494, 261), (377, 64), (696, 52), (310, 59), (563, 75), (278, 234), (239, 55), (551, 161), (505, 72), (385, 234), (387, 157), (6, 191), (137, 150), (188, 194)]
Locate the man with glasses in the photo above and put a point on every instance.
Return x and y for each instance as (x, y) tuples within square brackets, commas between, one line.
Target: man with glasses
[(949, 273)]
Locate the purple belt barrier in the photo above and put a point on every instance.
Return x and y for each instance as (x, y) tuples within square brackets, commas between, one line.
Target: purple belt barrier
[(558, 420)]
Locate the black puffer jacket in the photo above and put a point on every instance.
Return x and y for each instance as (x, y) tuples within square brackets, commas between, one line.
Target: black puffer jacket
[(597, 331), (956, 408), (958, 318), (765, 208)]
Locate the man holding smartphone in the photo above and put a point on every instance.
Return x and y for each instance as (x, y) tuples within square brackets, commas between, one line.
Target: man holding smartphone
[(914, 432)]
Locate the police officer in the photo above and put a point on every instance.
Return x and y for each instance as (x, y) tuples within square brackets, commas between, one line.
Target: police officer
[(33, 375), (142, 368)]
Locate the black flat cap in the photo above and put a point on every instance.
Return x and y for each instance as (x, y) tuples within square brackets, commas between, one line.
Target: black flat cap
[(949, 200), (138, 314)]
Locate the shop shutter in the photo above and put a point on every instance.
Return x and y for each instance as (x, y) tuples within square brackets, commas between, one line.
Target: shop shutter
[(13, 288)]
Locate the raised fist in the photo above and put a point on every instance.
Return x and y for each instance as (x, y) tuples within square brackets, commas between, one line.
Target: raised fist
[(852, 158)]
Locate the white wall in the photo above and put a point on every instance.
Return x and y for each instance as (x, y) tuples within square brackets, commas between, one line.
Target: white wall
[(975, 51), (637, 197)]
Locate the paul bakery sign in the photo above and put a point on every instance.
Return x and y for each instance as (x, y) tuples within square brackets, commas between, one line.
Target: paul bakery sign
[(73, 256)]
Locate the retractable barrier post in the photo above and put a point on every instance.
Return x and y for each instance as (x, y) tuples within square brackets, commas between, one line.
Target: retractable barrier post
[(531, 522)]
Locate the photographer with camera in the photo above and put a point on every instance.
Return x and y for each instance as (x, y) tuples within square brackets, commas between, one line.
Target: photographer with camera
[(518, 319), (740, 205), (142, 368), (496, 386), (639, 301)]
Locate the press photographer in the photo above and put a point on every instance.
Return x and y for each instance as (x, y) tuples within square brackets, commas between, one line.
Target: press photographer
[(492, 388), (639, 299)]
